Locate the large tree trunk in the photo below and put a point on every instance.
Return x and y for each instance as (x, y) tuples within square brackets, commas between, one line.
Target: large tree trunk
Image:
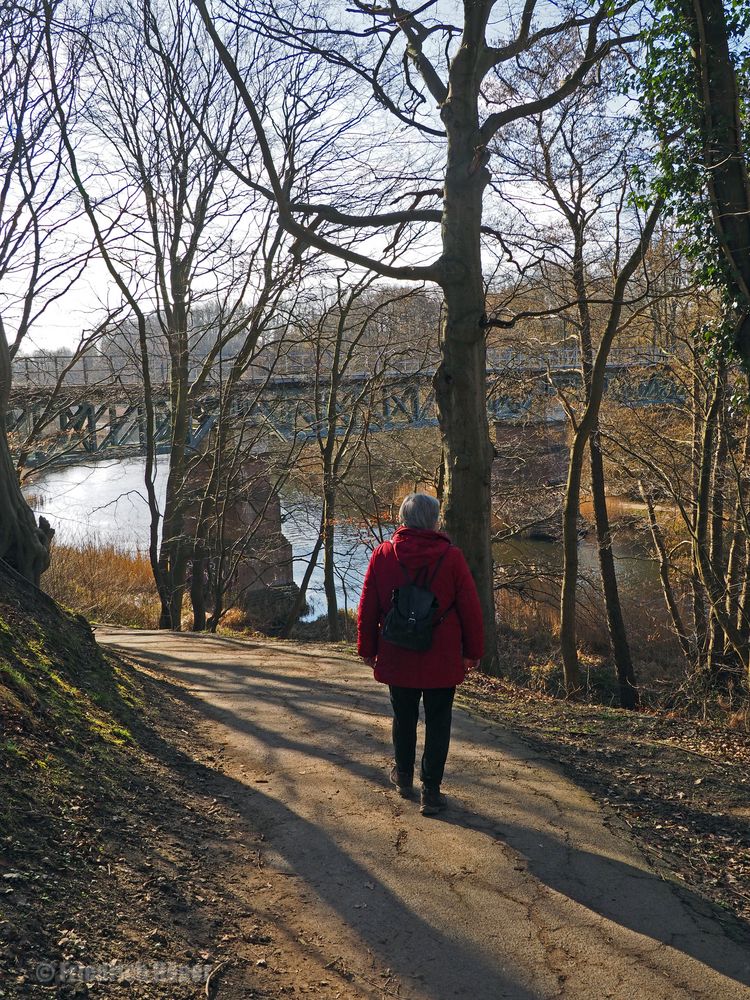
[(724, 156), (743, 624), (460, 381), (174, 552), (569, 587), (716, 642), (737, 558), (198, 588), (742, 559), (24, 545), (618, 640), (715, 586), (700, 617)]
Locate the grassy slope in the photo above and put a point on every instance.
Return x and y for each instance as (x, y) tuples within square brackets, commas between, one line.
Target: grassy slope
[(65, 711), (100, 820), (66, 717)]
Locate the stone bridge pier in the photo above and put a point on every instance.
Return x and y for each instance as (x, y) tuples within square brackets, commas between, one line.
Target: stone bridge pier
[(529, 474)]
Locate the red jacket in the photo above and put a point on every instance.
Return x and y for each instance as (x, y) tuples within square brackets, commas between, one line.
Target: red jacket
[(459, 635)]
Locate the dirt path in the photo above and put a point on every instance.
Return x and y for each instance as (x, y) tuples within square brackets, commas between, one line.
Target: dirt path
[(518, 891)]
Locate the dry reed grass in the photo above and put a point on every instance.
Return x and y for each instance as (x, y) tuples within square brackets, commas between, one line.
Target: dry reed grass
[(530, 656), (103, 582)]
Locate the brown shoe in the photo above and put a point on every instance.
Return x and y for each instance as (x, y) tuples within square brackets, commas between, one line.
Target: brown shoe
[(403, 782), (432, 801)]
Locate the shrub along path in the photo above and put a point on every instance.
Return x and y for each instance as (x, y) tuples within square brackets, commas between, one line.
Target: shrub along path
[(331, 884)]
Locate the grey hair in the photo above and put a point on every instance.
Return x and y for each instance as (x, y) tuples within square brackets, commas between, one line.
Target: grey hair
[(420, 510)]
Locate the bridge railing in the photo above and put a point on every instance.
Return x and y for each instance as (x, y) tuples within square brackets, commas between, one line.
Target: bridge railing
[(47, 370), (570, 357)]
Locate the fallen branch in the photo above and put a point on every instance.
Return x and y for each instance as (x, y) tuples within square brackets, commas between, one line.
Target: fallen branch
[(212, 975), (695, 753)]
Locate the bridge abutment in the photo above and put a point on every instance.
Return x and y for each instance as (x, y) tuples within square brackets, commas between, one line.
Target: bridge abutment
[(247, 533)]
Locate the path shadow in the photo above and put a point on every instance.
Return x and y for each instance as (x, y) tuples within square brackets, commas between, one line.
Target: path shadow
[(631, 897), (391, 934)]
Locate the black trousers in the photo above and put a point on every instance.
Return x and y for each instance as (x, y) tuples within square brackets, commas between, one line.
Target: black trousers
[(438, 709)]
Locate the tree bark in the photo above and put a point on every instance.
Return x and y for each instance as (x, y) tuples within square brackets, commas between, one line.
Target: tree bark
[(716, 640), (329, 577), (173, 555), (724, 156), (460, 380), (198, 589), (700, 618), (714, 586), (743, 624), (736, 557), (569, 587), (24, 544)]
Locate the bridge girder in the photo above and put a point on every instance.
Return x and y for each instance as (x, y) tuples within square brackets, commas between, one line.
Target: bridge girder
[(111, 423)]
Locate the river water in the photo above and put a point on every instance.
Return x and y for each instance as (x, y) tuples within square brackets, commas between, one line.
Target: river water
[(105, 501)]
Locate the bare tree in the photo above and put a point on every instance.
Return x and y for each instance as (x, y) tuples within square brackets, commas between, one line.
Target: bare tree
[(228, 474), (52, 404), (175, 229), (358, 337), (578, 159), (691, 458), (420, 75), (38, 260)]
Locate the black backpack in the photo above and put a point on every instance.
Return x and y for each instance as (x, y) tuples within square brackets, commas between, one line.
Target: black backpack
[(411, 619)]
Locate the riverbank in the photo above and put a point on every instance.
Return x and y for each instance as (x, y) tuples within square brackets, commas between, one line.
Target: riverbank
[(99, 569), (103, 507), (108, 584)]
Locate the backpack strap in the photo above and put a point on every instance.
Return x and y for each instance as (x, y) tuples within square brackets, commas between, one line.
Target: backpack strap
[(425, 583), (445, 614), (452, 605), (428, 583)]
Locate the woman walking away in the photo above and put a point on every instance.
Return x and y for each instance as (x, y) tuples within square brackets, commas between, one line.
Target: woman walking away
[(420, 628)]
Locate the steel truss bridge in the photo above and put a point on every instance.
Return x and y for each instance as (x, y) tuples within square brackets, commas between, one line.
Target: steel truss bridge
[(93, 412)]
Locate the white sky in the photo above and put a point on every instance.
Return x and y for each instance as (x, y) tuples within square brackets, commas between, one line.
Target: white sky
[(86, 303)]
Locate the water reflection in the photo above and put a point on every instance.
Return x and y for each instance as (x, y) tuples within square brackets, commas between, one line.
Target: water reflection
[(105, 501), (534, 568)]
